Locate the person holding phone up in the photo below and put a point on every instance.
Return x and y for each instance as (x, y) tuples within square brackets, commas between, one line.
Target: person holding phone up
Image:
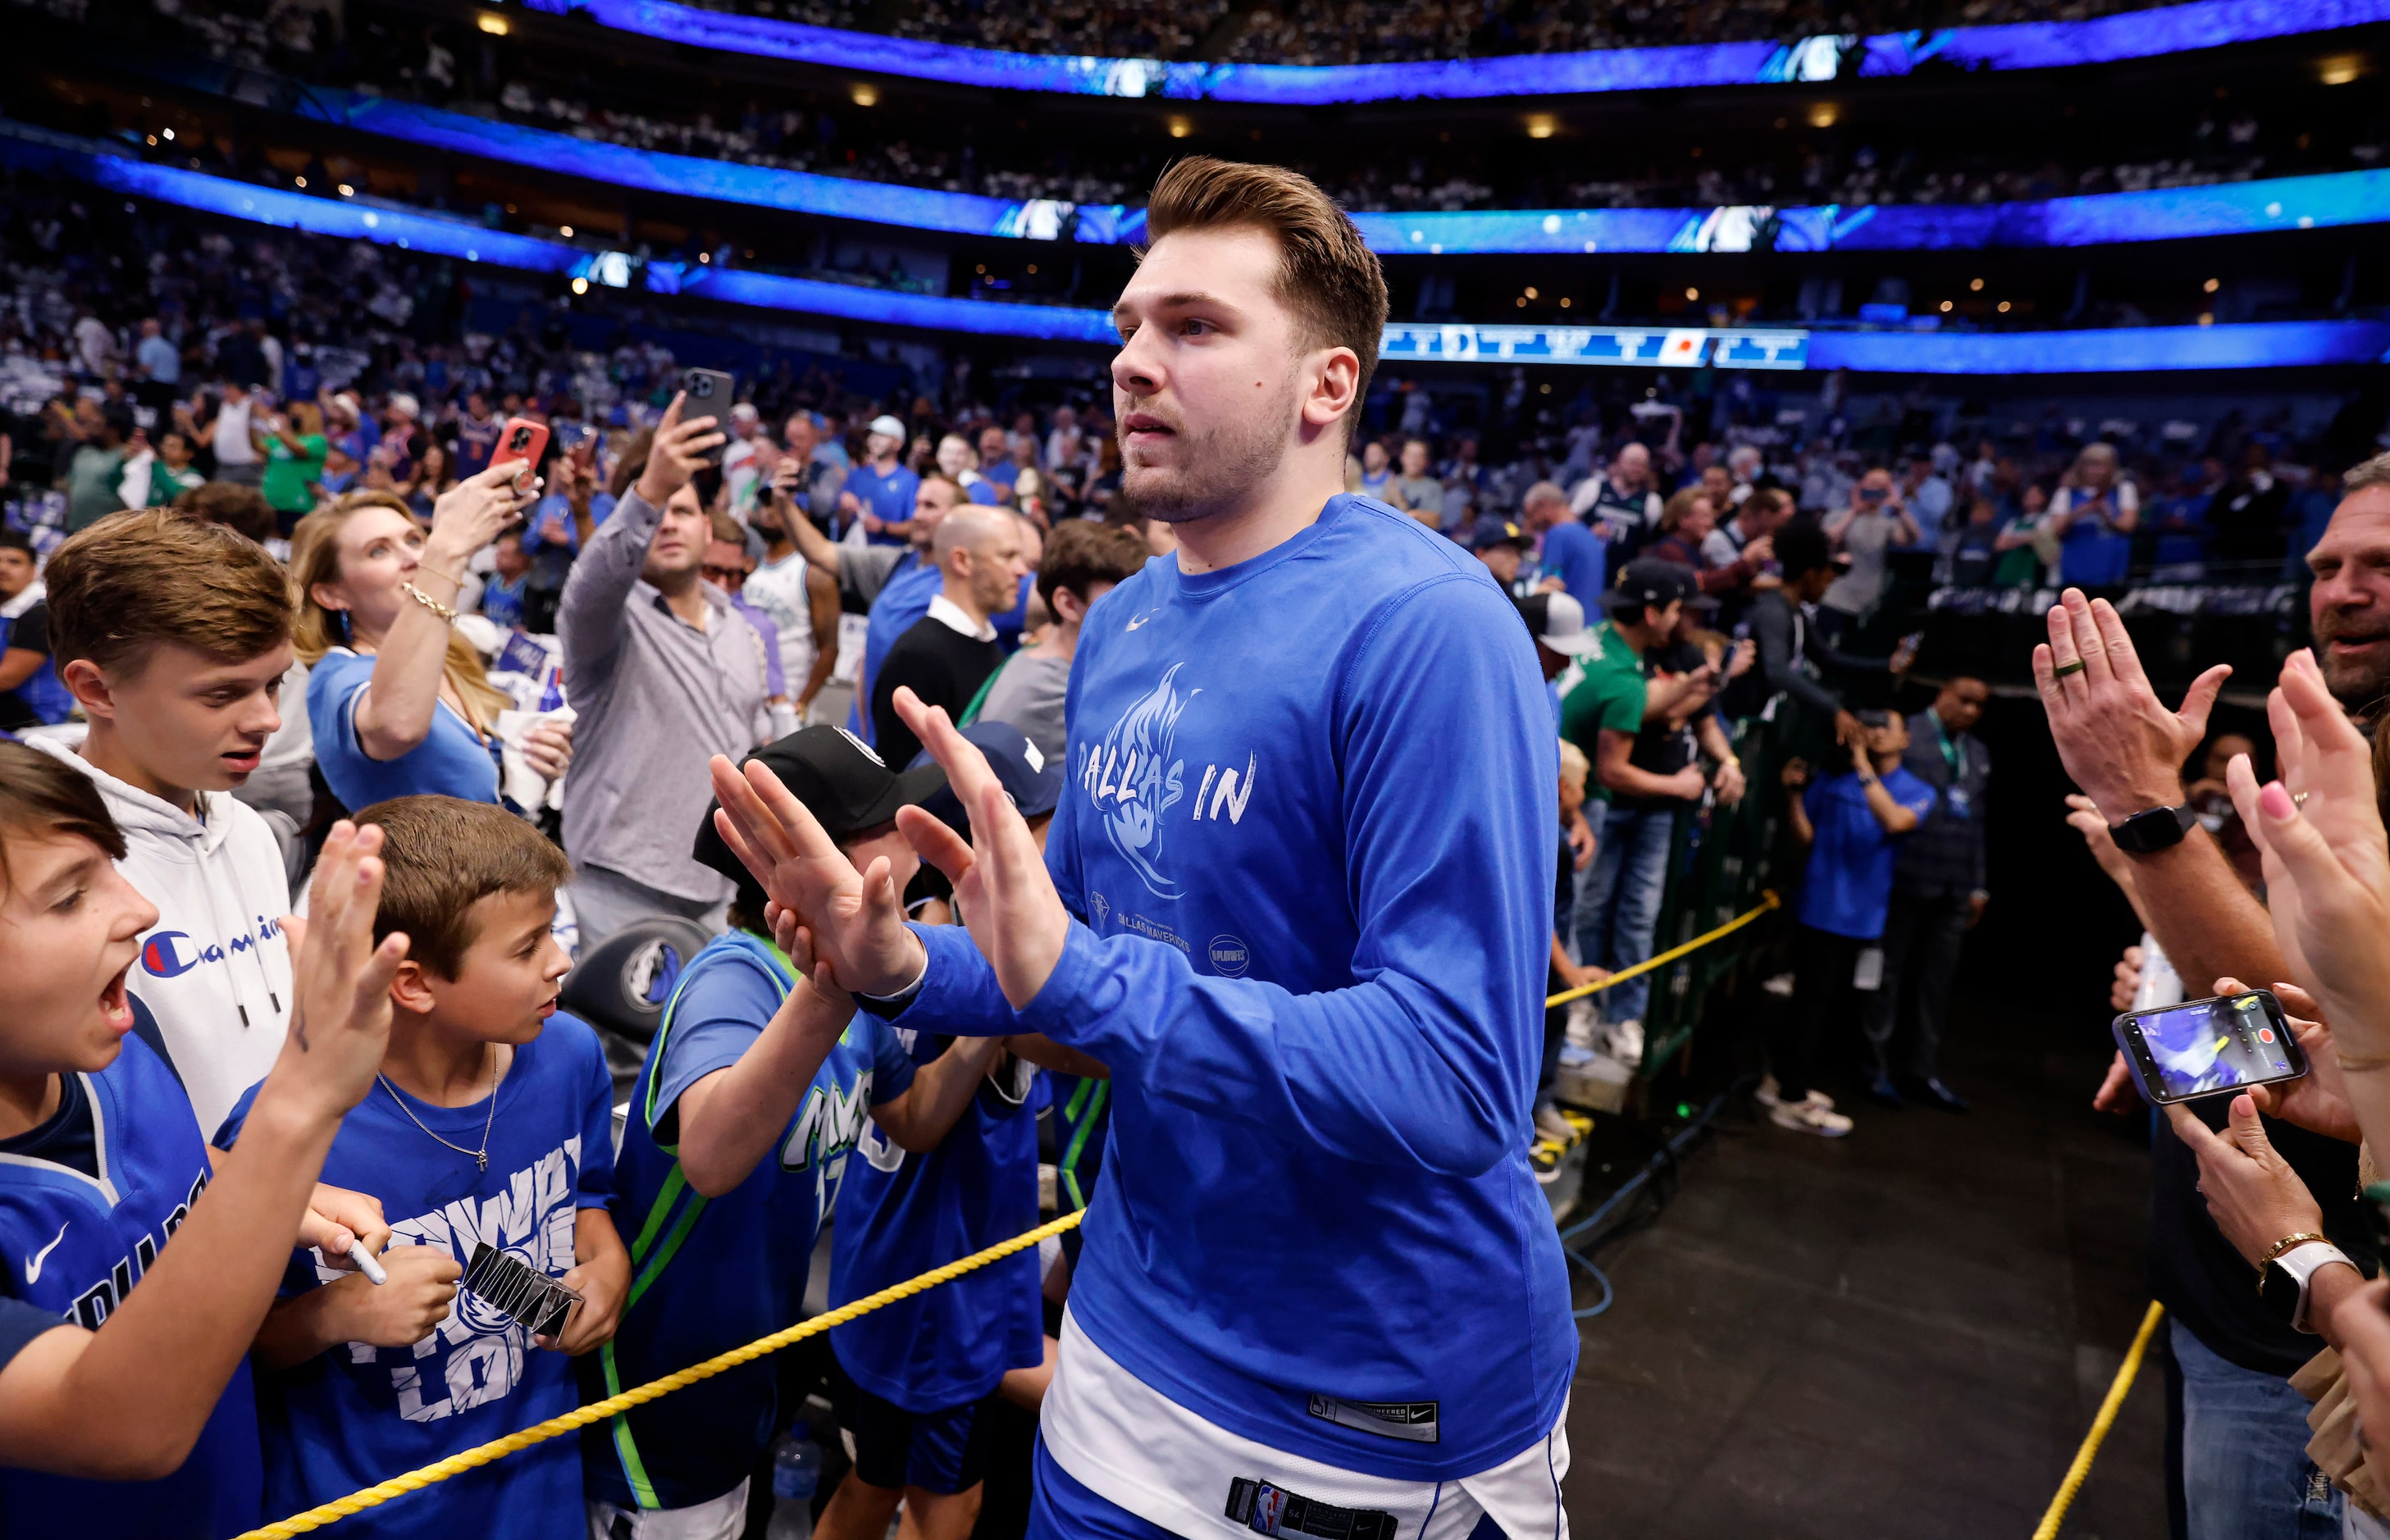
[(1877, 521)]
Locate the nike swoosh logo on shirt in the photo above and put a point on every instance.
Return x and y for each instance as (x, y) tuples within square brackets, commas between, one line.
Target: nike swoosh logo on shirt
[(33, 1268), (1137, 622)]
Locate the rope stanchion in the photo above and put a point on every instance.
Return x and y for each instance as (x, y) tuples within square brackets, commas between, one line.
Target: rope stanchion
[(598, 1411), (1768, 901), (2047, 1528)]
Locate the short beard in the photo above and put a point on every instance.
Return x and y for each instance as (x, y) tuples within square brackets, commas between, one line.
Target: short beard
[(1222, 466)]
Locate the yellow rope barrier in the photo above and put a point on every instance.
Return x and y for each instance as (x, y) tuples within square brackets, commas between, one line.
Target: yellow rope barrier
[(597, 1411), (2048, 1529), (1767, 900)]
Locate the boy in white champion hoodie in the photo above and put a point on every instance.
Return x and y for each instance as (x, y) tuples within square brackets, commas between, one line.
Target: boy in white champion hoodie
[(174, 635)]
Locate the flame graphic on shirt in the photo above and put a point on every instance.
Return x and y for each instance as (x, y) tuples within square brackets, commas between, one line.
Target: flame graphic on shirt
[(1132, 779)]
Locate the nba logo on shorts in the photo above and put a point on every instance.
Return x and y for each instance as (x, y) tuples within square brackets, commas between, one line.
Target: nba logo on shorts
[(1268, 1503)]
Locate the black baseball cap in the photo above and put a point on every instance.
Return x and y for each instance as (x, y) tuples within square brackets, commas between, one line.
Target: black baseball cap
[(1033, 780), (846, 786), (1491, 530), (1651, 580)]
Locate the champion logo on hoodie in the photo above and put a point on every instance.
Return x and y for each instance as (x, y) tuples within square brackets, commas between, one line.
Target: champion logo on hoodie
[(172, 953)]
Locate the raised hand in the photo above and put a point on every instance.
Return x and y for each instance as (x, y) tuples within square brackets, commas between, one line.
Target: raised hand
[(857, 919), (2327, 868), (470, 514), (339, 1020), (2118, 742), (1002, 888), (676, 452)]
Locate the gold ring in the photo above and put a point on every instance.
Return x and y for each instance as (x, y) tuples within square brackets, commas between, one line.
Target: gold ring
[(2298, 799), (2065, 669)]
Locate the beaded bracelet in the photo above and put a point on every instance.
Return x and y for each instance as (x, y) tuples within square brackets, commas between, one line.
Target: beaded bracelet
[(419, 597)]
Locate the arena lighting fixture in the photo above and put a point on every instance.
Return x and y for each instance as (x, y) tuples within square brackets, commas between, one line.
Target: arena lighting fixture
[(2202, 24), (2321, 200), (2212, 285), (2341, 69), (863, 93), (2207, 317), (153, 138), (1693, 294), (167, 134), (2004, 307), (1520, 303), (494, 25), (565, 230), (1974, 284), (348, 191), (1824, 115), (2265, 344), (1530, 291), (1946, 307), (1564, 303), (1181, 127), (580, 286), (299, 181), (1542, 125)]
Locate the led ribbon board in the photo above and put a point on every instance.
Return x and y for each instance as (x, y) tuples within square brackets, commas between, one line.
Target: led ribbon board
[(2022, 45), (2174, 214), (2271, 345)]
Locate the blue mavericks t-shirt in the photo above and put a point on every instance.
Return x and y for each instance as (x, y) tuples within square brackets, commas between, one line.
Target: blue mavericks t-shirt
[(1573, 554), (901, 1214), (889, 496), (1320, 986), (450, 762), (708, 1274), (73, 1245), (902, 600), (1847, 885), (356, 1415)]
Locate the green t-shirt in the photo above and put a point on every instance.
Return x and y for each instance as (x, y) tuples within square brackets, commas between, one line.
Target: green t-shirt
[(1611, 695), (166, 484), (286, 475)]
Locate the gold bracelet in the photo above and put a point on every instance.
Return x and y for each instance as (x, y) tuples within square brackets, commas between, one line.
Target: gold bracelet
[(419, 597), (426, 567), (2287, 1243)]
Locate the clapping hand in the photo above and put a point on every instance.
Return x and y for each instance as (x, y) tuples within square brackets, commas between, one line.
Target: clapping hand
[(2327, 867), (1002, 889), (857, 919), (2118, 742), (340, 1019)]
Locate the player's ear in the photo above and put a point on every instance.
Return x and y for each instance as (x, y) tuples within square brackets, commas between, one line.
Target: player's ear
[(411, 989)]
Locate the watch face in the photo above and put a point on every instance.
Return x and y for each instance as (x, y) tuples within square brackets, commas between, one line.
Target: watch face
[(2281, 1292)]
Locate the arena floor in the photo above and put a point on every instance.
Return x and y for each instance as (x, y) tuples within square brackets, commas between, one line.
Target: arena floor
[(1904, 1333)]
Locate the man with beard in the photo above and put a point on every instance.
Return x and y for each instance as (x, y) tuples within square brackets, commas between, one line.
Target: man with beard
[(1310, 941), (2239, 1467)]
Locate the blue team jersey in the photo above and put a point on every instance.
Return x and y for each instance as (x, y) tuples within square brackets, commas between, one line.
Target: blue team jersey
[(889, 498), (1846, 888), (708, 1274), (76, 1247), (901, 1214), (1573, 554), (356, 1415), (450, 762), (902, 600), (1314, 960)]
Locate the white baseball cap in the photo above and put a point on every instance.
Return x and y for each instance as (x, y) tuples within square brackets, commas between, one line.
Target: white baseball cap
[(889, 425), (1558, 622)]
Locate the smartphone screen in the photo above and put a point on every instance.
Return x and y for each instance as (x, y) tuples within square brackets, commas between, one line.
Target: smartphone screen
[(2203, 1047)]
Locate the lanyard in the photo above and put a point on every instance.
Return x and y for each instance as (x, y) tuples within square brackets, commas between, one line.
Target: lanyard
[(1953, 754)]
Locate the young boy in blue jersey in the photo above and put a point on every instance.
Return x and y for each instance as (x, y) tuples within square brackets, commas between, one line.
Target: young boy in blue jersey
[(912, 1381), (146, 1266), (1307, 828), (489, 1126), (1853, 823), (759, 1054)]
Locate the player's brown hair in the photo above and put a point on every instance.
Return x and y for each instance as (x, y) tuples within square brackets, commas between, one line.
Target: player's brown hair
[(1328, 276), (1080, 554), (442, 856), (151, 576)]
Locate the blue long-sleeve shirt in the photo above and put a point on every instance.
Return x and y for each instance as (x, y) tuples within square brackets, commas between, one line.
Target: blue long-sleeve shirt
[(1309, 826)]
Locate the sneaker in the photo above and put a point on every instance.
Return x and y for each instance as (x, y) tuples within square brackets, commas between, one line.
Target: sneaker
[(1551, 1126), (1624, 1041), (1575, 1056), (1584, 1026), (1767, 1097), (1780, 985), (1544, 1160), (1810, 1117), (1580, 1123)]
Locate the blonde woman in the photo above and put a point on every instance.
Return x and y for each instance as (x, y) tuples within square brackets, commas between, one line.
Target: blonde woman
[(396, 699), (2094, 508)]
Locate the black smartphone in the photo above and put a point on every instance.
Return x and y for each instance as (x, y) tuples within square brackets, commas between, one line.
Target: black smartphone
[(710, 395), (2209, 1048)]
